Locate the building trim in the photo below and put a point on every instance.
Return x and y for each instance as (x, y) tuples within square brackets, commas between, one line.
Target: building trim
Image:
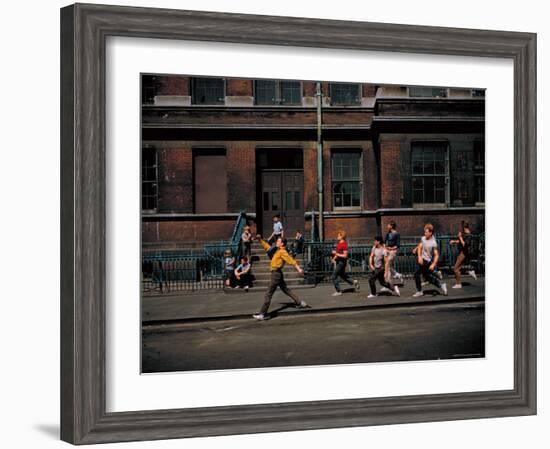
[(397, 211), (184, 217)]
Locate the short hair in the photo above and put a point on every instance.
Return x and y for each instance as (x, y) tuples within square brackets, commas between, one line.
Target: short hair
[(466, 225), (343, 234), (228, 252), (245, 258), (378, 238), (276, 216), (283, 240), (429, 227), (392, 224), (297, 230)]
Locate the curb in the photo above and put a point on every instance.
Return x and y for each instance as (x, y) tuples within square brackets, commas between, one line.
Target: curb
[(160, 325)]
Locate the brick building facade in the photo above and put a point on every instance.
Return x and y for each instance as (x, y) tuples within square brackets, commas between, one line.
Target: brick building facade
[(212, 147)]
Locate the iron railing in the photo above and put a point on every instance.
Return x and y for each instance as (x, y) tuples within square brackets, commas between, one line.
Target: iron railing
[(193, 269), (319, 265)]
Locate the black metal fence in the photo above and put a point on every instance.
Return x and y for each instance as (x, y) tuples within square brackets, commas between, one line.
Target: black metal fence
[(191, 270), (319, 264)]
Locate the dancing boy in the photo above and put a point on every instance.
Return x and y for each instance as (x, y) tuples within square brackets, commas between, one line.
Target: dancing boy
[(464, 242), (379, 265), (340, 261), (393, 242), (427, 258), (278, 260)]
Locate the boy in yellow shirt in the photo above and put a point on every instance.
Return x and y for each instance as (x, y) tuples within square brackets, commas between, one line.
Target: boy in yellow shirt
[(278, 261)]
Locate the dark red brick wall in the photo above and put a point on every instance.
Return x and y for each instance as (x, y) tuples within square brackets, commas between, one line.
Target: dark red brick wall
[(173, 85), (370, 178), (187, 231), (413, 225), (354, 226), (310, 177), (175, 187), (309, 88), (241, 176), (391, 186), (369, 90), (239, 87)]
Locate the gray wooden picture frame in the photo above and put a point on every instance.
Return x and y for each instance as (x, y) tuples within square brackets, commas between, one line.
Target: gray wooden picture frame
[(84, 29)]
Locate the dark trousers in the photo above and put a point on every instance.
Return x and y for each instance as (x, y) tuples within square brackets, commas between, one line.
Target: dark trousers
[(273, 239), (424, 270), (245, 279), (378, 275), (277, 280), (340, 272), (246, 249)]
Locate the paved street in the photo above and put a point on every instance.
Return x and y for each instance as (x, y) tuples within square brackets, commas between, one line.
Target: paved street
[(400, 333), (216, 304)]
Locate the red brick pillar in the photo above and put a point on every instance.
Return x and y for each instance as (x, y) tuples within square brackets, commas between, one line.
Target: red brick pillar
[(391, 184)]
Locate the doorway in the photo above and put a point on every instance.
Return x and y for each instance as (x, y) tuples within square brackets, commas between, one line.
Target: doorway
[(281, 189)]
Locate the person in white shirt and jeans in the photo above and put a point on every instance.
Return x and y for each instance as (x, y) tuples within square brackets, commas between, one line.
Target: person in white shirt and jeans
[(427, 257)]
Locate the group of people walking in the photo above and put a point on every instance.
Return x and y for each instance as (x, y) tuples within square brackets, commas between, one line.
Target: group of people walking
[(383, 255), (381, 262)]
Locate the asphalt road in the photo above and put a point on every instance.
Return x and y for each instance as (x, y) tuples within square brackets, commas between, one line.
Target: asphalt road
[(446, 331)]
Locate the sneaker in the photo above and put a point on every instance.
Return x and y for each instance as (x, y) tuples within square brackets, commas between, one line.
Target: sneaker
[(384, 290), (473, 274), (444, 289), (418, 294), (259, 317), (371, 296), (399, 277), (302, 305), (337, 294), (457, 286), (236, 286), (424, 283), (356, 285), (246, 287), (396, 290), (439, 274)]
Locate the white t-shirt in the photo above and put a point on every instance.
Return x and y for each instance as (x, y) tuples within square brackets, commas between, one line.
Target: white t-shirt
[(277, 227), (428, 247), (379, 254)]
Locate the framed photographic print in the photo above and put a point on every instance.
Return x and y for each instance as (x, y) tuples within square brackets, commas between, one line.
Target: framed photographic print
[(255, 206)]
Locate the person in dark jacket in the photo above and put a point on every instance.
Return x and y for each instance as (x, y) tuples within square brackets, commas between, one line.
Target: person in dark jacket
[(464, 243)]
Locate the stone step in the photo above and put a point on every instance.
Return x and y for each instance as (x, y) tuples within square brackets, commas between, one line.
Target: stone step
[(267, 275)]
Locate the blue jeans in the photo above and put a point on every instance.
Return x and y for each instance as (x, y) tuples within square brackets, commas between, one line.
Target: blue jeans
[(340, 272)]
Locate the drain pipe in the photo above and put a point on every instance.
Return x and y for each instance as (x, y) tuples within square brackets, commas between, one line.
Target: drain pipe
[(319, 96)]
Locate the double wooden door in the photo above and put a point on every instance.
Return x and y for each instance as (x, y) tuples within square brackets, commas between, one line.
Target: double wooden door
[(283, 195)]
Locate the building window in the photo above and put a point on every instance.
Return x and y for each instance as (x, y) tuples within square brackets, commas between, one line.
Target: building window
[(429, 92), (430, 172), (345, 94), (346, 179), (274, 92), (149, 179), (149, 87), (479, 172), (208, 91), (210, 180)]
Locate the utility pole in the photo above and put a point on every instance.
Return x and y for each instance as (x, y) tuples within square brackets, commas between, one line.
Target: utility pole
[(319, 95)]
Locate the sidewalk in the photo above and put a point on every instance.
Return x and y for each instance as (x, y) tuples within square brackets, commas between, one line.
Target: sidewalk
[(217, 305)]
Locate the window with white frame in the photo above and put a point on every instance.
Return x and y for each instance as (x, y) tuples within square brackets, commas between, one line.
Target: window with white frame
[(430, 173), (345, 94), (277, 92), (346, 179), (208, 91)]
